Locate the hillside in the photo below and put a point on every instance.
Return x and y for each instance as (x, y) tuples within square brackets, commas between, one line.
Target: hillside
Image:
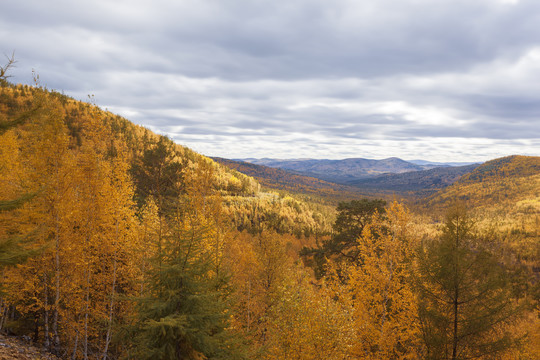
[(235, 187), (502, 182), (415, 183), (279, 179), (504, 196), (341, 171), (97, 213)]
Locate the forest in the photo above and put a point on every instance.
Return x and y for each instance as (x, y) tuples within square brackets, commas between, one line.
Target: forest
[(116, 243)]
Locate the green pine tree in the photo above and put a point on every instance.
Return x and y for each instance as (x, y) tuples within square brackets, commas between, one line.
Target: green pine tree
[(351, 219), (183, 314), (158, 173)]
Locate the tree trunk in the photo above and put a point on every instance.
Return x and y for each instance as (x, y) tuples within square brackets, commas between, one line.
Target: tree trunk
[(2, 313), (46, 334), (111, 305), (455, 330), (56, 337), (456, 293), (74, 354), (86, 310)]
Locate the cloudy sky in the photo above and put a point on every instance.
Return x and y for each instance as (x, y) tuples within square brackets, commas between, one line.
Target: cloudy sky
[(442, 80)]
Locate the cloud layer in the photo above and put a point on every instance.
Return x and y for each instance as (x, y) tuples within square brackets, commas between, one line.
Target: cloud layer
[(445, 80)]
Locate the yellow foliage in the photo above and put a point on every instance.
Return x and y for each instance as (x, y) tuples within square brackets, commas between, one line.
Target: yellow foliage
[(379, 290)]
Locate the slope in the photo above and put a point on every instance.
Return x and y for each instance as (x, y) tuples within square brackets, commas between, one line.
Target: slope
[(415, 183), (504, 196), (279, 179), (241, 194), (341, 171), (511, 181)]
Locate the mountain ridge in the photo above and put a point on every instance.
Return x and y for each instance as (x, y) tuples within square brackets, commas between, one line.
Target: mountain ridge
[(280, 179), (417, 183), (345, 171)]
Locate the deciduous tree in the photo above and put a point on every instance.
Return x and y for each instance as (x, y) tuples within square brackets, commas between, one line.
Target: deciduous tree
[(465, 298)]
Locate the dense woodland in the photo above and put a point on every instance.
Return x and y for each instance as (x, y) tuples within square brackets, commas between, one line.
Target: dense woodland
[(116, 243)]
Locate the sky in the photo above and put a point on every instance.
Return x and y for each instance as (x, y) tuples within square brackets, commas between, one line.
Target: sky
[(440, 80)]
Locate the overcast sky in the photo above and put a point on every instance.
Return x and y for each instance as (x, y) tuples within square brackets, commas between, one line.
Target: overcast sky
[(441, 80)]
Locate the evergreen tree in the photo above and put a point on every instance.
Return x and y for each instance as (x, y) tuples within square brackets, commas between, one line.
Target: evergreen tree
[(158, 173), (183, 313), (352, 217), (465, 299)]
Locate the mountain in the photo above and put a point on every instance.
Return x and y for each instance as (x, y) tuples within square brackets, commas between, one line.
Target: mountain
[(242, 198), (505, 190), (503, 195), (508, 182), (436, 164), (417, 183), (279, 179), (408, 184), (340, 171)]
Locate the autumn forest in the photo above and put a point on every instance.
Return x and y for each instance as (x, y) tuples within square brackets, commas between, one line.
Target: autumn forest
[(117, 243)]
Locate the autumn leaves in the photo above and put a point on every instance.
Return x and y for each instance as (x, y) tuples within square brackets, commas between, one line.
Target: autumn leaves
[(144, 250)]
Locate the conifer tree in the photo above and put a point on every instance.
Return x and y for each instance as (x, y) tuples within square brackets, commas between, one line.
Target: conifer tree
[(183, 313), (158, 173), (465, 298), (352, 217)]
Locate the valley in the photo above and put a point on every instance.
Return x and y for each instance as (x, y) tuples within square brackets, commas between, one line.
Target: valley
[(353, 177), (116, 242)]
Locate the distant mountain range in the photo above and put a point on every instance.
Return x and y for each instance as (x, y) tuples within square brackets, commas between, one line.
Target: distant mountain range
[(355, 176), (348, 171), (436, 163), (418, 183), (279, 179)]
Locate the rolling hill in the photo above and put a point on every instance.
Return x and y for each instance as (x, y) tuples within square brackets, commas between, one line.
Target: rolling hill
[(401, 178), (507, 182), (341, 171), (503, 195), (416, 183), (279, 179)]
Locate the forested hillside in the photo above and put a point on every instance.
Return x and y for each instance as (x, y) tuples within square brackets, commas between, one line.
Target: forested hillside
[(116, 243), (415, 184), (278, 179), (505, 195), (497, 182)]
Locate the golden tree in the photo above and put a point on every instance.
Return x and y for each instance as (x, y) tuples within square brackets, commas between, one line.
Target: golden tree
[(380, 289)]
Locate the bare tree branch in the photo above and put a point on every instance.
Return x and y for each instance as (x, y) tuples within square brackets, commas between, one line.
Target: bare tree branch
[(4, 69)]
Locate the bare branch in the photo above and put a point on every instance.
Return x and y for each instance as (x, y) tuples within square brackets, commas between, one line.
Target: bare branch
[(10, 64)]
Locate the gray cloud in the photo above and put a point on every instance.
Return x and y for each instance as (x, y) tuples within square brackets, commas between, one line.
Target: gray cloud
[(449, 79)]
